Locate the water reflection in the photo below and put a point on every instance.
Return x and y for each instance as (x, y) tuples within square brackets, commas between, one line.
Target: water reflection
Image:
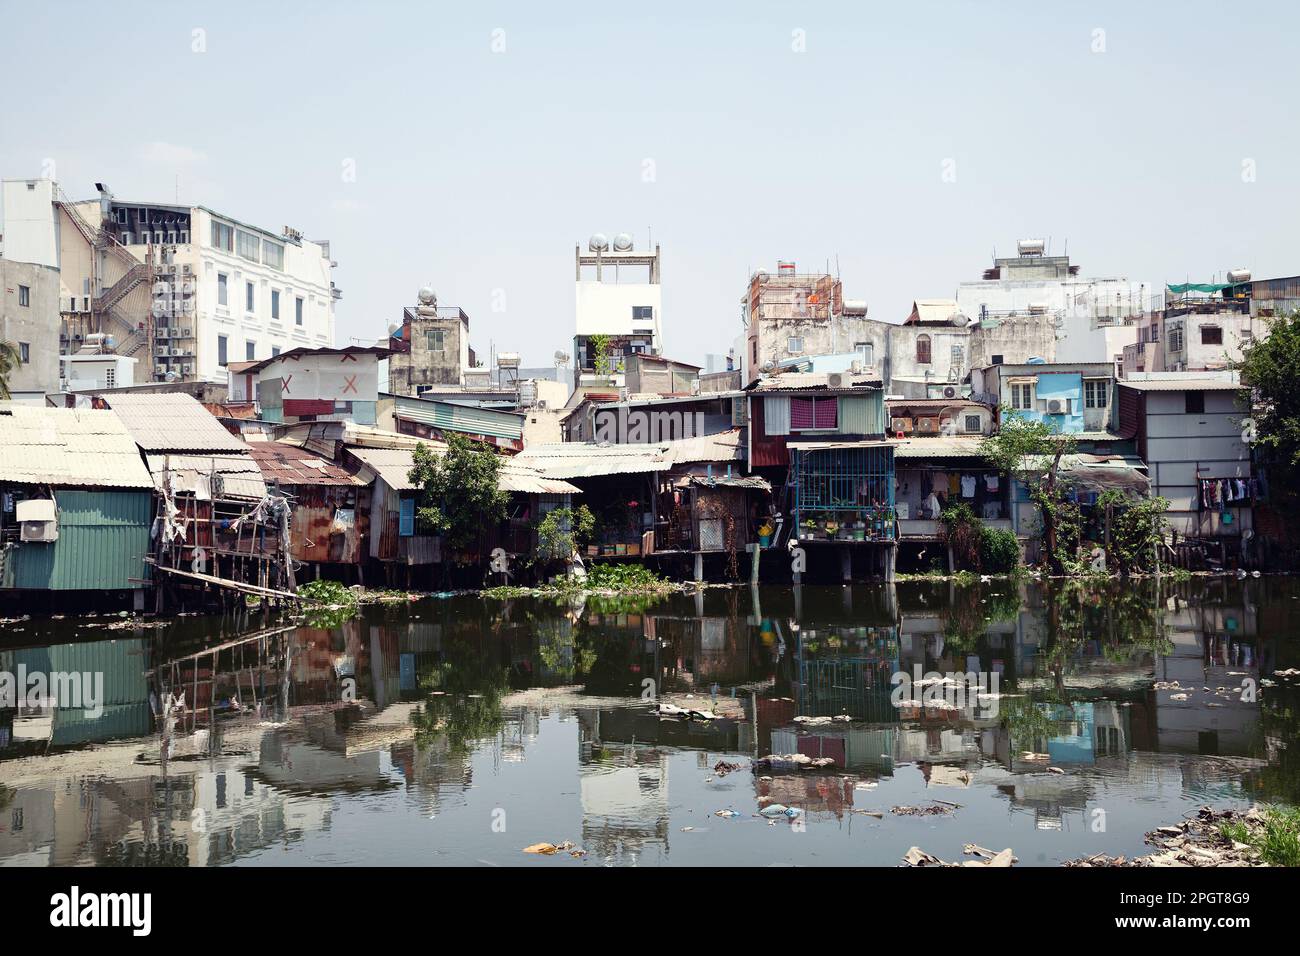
[(461, 730)]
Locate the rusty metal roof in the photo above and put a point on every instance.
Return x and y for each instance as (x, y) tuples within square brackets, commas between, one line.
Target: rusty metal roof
[(290, 465), (172, 422), (595, 460), (71, 447)]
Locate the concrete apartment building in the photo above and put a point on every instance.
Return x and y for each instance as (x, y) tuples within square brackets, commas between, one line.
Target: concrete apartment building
[(430, 348), (182, 288), (1093, 317), (618, 296)]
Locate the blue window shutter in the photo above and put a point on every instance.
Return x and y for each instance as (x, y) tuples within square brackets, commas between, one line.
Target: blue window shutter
[(406, 518)]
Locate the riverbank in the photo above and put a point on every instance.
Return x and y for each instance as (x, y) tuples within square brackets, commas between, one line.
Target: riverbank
[(1259, 836)]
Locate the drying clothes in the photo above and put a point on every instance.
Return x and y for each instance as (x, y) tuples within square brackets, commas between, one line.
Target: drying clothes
[(939, 482), (954, 485), (932, 505), (991, 482), (968, 486)]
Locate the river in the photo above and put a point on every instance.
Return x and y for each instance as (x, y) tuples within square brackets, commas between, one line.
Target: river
[(459, 730)]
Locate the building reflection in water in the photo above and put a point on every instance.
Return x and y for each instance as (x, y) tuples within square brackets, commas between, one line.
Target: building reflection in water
[(214, 747)]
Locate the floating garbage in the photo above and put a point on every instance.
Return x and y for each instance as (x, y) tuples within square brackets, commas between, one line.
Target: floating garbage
[(779, 810), (788, 763)]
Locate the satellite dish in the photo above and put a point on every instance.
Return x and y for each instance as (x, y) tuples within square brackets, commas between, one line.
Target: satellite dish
[(623, 242), (598, 243), (427, 296)]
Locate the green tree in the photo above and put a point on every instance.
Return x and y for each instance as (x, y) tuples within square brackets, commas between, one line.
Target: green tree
[(459, 489), (1134, 529), (600, 352), (10, 359), (1268, 367), (562, 531), (1032, 451)]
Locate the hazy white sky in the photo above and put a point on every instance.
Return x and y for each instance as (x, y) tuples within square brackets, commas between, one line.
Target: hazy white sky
[(903, 141)]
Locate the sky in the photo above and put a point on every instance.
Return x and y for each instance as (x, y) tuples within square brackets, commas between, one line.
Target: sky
[(471, 146)]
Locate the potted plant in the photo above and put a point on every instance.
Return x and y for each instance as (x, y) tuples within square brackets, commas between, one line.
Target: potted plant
[(765, 530), (832, 528), (809, 529)]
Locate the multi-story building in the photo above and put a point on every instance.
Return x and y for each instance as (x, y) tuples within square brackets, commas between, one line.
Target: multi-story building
[(1093, 317), (1074, 398), (183, 288), (618, 305), (430, 348), (29, 321)]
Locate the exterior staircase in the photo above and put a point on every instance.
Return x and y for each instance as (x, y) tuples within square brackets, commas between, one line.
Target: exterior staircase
[(129, 338)]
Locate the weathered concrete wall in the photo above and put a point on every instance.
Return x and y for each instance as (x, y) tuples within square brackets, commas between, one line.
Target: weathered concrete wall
[(35, 325), (420, 366)]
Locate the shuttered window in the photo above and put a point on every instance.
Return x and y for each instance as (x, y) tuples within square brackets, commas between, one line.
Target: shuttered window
[(406, 518)]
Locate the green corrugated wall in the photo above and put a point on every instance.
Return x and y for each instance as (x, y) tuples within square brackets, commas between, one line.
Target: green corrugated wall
[(103, 540), (862, 414)]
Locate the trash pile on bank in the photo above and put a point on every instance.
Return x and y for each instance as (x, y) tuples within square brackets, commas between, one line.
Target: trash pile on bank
[(1196, 842)]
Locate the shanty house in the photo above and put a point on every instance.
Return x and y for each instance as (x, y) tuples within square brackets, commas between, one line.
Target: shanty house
[(326, 384), (76, 502), (330, 507)]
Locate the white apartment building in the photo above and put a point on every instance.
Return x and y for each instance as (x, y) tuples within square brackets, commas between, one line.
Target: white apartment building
[(182, 288), (1094, 317), (618, 296)]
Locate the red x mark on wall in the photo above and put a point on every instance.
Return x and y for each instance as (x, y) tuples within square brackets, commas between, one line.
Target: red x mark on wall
[(284, 384), (351, 385)]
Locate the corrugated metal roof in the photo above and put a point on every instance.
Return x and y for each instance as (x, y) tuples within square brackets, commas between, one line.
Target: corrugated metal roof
[(942, 446), (171, 421), (303, 351), (935, 311), (290, 465), (787, 381), (393, 465), (593, 460), (239, 475), (1183, 385), (823, 445), (77, 447), (459, 417)]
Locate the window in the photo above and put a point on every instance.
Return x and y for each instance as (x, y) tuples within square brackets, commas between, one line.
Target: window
[(1094, 392), (867, 351), (643, 313), (406, 518), (1211, 335), (956, 356), (24, 352), (1194, 403), (275, 350), (273, 255), (250, 350), (1176, 338), (923, 350), (24, 295), (250, 246), (810, 414), (85, 303), (223, 292), (297, 310), (794, 345), (996, 359), (223, 237), (275, 303), (110, 377), (973, 424), (221, 350), (249, 300), (1022, 396), (434, 340)]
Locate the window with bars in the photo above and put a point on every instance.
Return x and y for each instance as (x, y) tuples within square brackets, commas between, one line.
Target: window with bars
[(1022, 396), (923, 349), (811, 414)]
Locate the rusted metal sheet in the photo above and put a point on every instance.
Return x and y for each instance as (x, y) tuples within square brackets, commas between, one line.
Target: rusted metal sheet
[(330, 524)]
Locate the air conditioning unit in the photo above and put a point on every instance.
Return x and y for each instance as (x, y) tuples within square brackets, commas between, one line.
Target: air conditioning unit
[(900, 425), (186, 270), (187, 333), (162, 350), (160, 369), (171, 270), (927, 426), (835, 380), (37, 517), (176, 351), (951, 391), (1058, 406), (187, 306)]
